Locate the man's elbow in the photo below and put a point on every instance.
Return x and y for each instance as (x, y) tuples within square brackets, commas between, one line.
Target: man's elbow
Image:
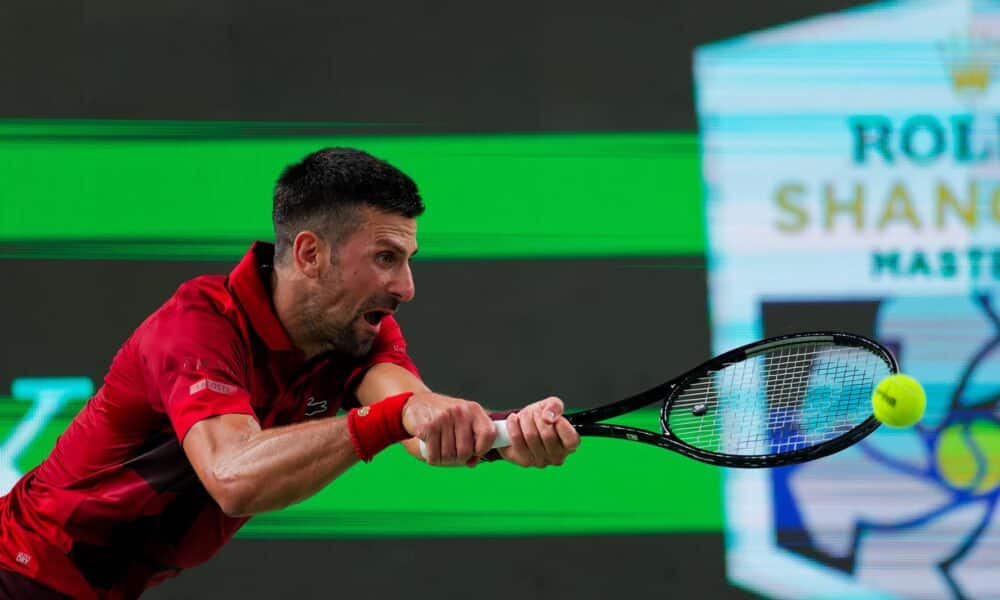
[(234, 507), (234, 497)]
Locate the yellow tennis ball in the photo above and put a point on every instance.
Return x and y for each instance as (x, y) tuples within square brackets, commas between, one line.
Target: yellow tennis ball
[(899, 400)]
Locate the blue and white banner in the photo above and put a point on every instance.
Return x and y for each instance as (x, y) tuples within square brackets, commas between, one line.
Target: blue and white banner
[(852, 172)]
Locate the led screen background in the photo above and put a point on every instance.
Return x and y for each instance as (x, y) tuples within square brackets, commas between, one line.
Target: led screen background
[(174, 191), (138, 146)]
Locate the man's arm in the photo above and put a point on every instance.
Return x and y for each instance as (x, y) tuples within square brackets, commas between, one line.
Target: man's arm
[(453, 430), (248, 470), (540, 435)]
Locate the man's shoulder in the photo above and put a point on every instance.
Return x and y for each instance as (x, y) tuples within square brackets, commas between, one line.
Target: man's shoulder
[(199, 302), (206, 292), (203, 287)]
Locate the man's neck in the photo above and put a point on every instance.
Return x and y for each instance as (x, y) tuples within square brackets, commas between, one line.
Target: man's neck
[(285, 300)]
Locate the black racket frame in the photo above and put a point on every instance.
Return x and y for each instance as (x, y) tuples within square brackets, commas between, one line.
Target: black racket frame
[(586, 421)]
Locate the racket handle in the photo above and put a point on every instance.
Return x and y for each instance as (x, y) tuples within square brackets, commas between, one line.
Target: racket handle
[(502, 441)]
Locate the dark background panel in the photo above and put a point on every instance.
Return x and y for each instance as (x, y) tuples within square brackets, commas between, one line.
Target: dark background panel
[(582, 568), (587, 65), (780, 317), (501, 332)]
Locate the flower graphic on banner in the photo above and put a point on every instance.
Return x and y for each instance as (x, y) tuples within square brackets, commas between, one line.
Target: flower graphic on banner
[(913, 511)]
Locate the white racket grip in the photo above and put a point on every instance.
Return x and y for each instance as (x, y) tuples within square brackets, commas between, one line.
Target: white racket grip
[(502, 441), (503, 438)]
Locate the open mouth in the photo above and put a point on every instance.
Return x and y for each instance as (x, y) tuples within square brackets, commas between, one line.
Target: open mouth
[(374, 317)]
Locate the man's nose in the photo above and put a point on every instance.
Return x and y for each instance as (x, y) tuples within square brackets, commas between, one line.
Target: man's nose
[(403, 287)]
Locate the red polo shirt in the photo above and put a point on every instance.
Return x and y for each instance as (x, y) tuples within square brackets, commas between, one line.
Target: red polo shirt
[(117, 507)]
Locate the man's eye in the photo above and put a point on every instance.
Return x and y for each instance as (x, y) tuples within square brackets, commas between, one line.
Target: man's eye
[(385, 258)]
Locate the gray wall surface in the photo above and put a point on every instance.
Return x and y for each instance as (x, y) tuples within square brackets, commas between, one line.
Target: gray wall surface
[(445, 66), (503, 333), (681, 566)]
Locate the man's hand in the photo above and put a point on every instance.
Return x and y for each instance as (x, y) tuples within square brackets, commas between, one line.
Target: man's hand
[(540, 435), (454, 430)]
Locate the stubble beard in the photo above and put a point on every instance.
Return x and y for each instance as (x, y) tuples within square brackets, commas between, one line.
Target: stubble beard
[(339, 336), (343, 338)]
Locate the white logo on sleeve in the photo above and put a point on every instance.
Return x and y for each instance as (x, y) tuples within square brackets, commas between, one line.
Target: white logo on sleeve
[(23, 558), (215, 386)]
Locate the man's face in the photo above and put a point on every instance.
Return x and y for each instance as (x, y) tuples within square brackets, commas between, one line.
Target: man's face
[(368, 278)]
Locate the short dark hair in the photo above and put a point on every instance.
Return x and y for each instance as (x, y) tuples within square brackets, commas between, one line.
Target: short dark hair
[(324, 190)]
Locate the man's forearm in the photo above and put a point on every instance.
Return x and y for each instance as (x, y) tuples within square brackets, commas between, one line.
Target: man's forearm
[(277, 467)]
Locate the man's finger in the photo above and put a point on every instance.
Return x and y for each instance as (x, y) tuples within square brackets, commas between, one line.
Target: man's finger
[(432, 441), (518, 450), (532, 438), (567, 435), (550, 439), (447, 441), (485, 433), (465, 439), (552, 409)]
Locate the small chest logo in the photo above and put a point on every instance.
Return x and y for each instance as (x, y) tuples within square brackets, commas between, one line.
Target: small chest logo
[(315, 407), (23, 558)]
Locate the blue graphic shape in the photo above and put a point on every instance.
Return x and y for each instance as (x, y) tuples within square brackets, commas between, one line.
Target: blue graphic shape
[(947, 343)]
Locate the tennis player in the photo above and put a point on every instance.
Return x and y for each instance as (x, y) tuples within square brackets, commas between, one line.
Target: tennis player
[(222, 404)]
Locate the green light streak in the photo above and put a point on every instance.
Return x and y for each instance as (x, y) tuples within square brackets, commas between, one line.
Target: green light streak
[(607, 486), (192, 190)]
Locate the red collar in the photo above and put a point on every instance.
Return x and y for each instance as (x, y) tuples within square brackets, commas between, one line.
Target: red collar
[(247, 282)]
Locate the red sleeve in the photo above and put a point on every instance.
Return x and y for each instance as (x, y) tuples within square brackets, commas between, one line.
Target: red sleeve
[(196, 366), (389, 347)]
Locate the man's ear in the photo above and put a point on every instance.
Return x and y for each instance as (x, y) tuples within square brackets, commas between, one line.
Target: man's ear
[(310, 253)]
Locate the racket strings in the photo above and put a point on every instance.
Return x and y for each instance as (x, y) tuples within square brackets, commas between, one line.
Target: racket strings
[(782, 400)]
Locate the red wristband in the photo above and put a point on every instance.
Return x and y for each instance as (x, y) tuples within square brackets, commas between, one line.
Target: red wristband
[(374, 428)]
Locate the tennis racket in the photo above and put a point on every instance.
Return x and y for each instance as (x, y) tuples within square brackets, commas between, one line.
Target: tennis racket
[(779, 401)]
